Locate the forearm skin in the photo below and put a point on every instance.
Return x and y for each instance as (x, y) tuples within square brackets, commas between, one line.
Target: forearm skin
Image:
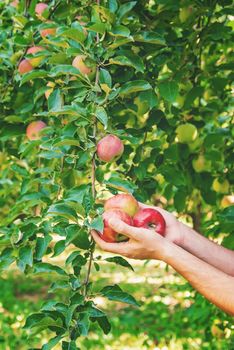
[(206, 250), (213, 284)]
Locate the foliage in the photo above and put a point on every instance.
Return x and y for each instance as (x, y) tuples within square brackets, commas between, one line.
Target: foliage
[(160, 64)]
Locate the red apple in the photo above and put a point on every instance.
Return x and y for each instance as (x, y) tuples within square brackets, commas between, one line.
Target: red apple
[(80, 62), (150, 218), (34, 128), (24, 67), (37, 60), (109, 148), (40, 8), (124, 202), (15, 3), (108, 234), (48, 31)]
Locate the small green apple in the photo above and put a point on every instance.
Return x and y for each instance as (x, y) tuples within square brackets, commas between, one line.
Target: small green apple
[(186, 133)]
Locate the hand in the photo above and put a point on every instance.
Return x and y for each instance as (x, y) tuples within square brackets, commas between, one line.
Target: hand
[(142, 243), (175, 230)]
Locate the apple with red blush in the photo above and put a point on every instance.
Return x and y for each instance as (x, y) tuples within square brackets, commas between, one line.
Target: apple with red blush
[(109, 148), (108, 234), (151, 219)]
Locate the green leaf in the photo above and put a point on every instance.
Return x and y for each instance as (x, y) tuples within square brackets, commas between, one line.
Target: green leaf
[(6, 258), (25, 257), (104, 324), (102, 115), (46, 267), (105, 77), (180, 199), (115, 293), (118, 260), (98, 27), (63, 210), (168, 90), (227, 218), (33, 75), (134, 86), (173, 175), (41, 246), (125, 8), (76, 34), (97, 224), (104, 12), (77, 299), (63, 69), (65, 141), (71, 345), (150, 38), (59, 285), (119, 30), (83, 324), (131, 61), (78, 236), (55, 101), (121, 184), (192, 95), (51, 343), (59, 248)]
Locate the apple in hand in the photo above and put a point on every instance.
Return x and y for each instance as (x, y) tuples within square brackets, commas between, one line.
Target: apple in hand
[(24, 67), (124, 202), (150, 218), (34, 128), (37, 60), (108, 234), (109, 148)]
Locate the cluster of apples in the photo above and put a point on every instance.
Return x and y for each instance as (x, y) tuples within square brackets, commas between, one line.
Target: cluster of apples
[(28, 64), (81, 62), (126, 208)]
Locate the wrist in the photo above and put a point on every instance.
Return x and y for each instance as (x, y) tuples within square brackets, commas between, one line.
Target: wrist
[(166, 251), (170, 252)]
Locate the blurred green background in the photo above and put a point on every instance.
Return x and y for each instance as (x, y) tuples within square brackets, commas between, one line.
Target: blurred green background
[(167, 318)]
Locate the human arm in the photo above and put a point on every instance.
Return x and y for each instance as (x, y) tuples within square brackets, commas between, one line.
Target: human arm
[(215, 285), (198, 245)]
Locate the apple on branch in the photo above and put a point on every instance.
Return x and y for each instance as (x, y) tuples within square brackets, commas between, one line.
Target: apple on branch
[(25, 66), (40, 8), (186, 133), (85, 66), (37, 60), (109, 148), (34, 128), (48, 31)]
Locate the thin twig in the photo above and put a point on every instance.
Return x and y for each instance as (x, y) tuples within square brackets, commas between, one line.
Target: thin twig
[(93, 179)]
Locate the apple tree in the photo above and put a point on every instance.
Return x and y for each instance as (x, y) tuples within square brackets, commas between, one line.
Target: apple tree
[(157, 75)]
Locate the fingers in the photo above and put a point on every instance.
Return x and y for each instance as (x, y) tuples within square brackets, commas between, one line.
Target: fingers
[(125, 229), (118, 248)]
